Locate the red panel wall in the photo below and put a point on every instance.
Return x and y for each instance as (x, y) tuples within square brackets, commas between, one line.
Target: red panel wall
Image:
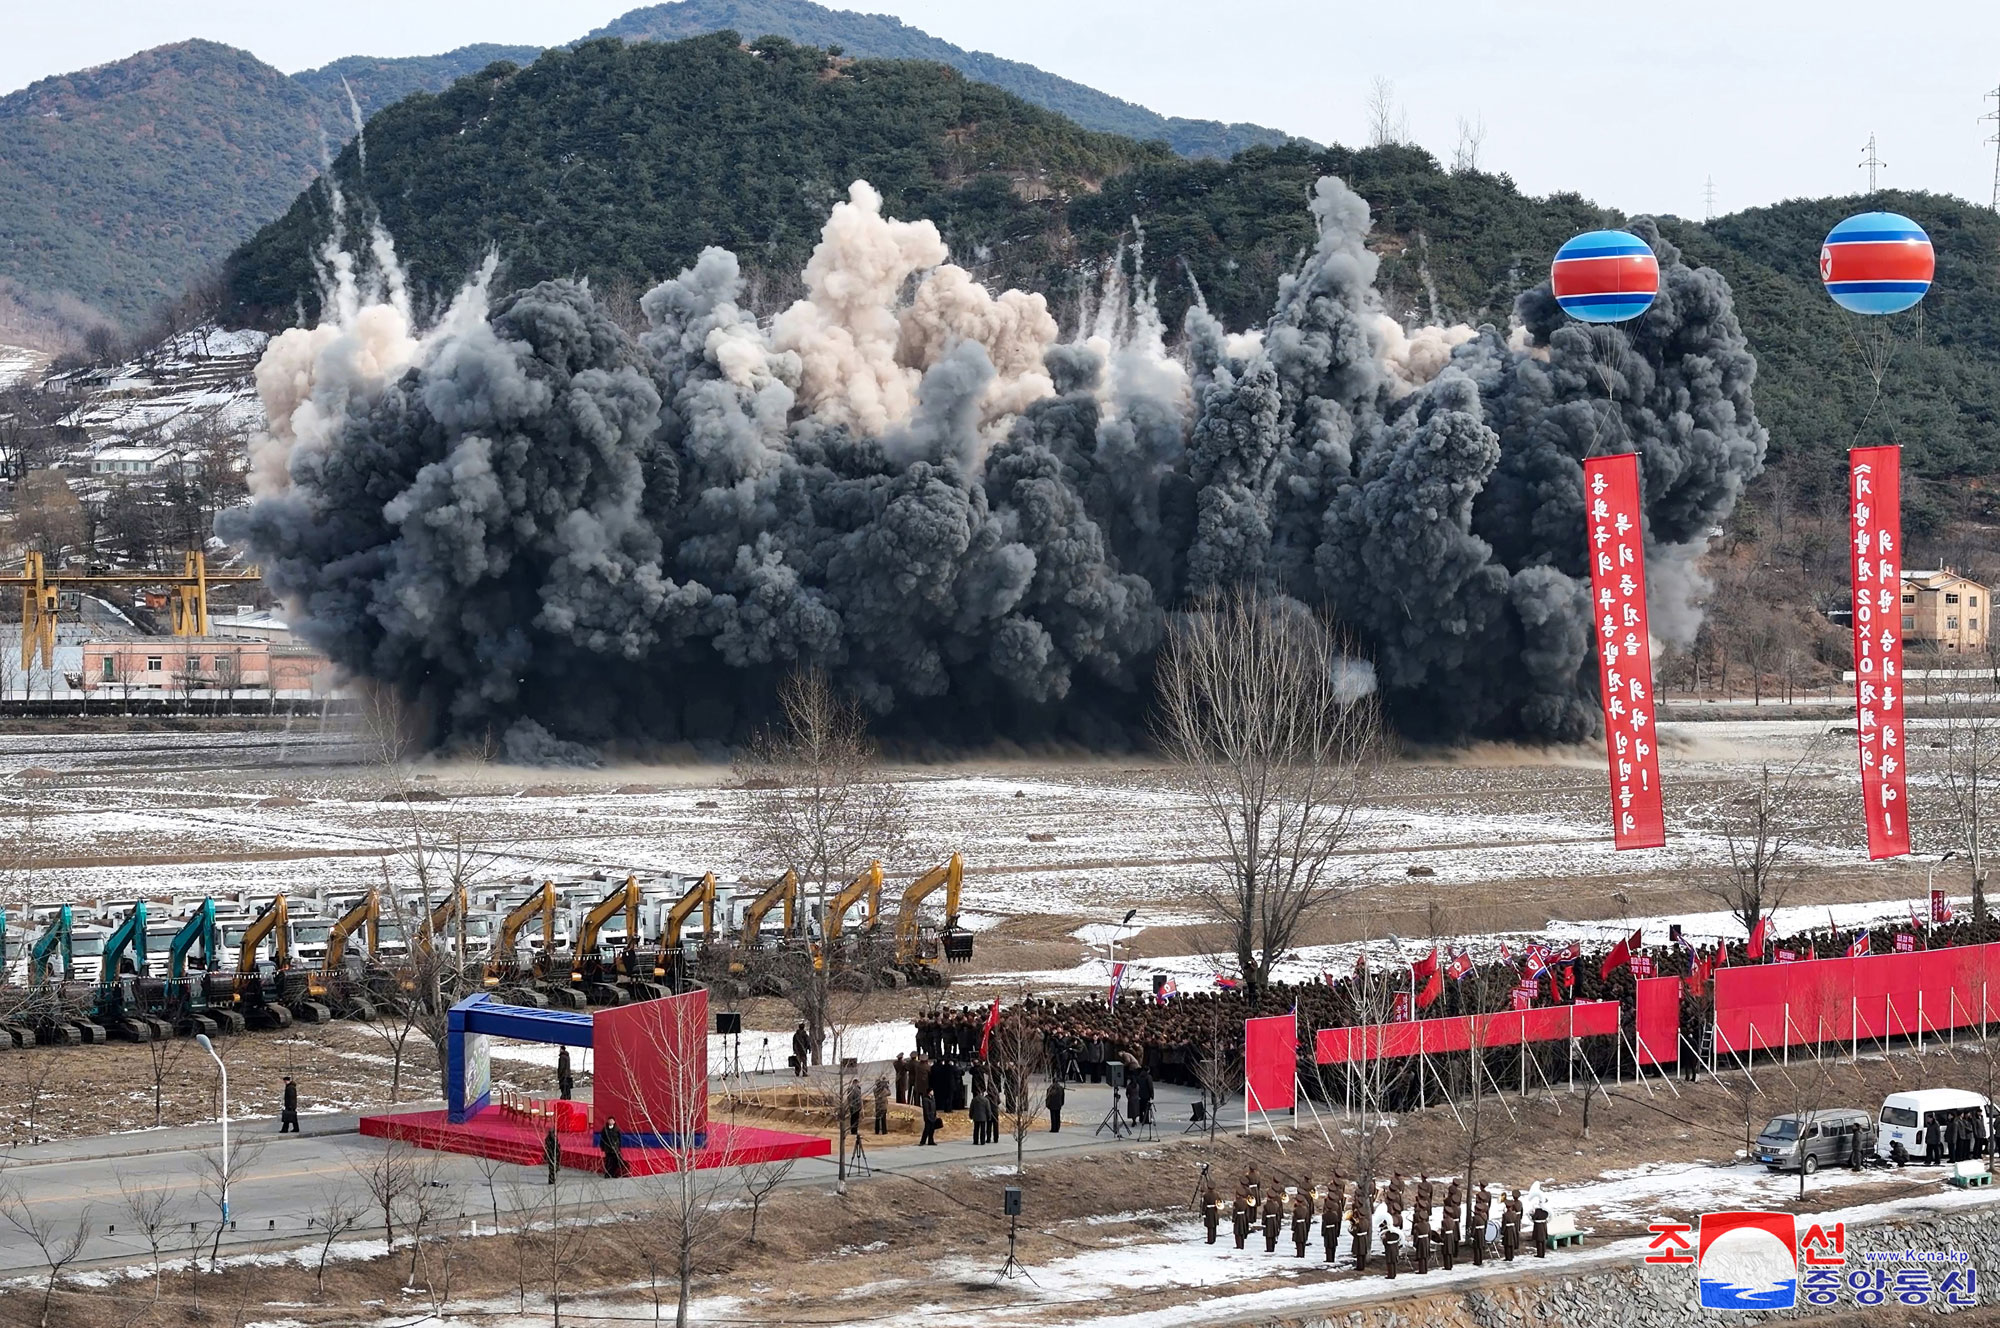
[(1507, 1028), (1271, 1062), (1835, 1000), (1656, 1020), (650, 1069)]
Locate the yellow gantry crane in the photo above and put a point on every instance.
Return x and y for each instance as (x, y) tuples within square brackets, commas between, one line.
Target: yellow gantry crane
[(41, 591)]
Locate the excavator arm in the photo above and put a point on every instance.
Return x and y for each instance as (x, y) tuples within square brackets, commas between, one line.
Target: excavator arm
[(273, 923), (441, 918), (909, 946), (786, 889), (128, 938), (624, 899), (55, 937), (367, 913), (868, 885), (542, 901), (199, 930), (701, 895)]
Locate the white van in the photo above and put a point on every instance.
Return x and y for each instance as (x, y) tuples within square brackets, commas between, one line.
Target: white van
[(1906, 1117)]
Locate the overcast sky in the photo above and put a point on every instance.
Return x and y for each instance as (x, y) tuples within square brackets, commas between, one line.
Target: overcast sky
[(1634, 106)]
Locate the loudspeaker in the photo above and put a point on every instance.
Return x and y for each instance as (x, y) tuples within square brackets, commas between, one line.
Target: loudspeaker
[(1010, 1201), (1114, 1073), (729, 1021)]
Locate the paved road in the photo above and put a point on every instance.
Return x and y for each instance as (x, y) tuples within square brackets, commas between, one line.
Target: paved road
[(277, 1191)]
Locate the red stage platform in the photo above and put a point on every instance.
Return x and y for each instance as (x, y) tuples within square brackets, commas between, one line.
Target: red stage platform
[(511, 1139)]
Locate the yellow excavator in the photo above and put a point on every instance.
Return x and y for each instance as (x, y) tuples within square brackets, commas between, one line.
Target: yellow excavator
[(325, 983), (503, 964), (260, 1000), (669, 964), (867, 886), (447, 912), (588, 970), (921, 951), (784, 890)]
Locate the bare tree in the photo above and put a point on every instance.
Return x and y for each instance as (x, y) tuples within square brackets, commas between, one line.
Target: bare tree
[(162, 1059), (1014, 1052), (821, 808), (1258, 708), (387, 1177), (1760, 826), (1388, 123), (335, 1213), (1471, 135), (151, 1210), (1970, 732), (218, 1168), (759, 1181), (59, 1242)]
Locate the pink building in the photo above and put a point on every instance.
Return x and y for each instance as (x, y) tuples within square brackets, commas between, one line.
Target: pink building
[(204, 664)]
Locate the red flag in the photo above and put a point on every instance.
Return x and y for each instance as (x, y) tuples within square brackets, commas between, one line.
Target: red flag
[(1461, 964), (1875, 540), (1621, 955), (1424, 969), (1755, 950), (1616, 550), (1862, 945), (1940, 908), (1433, 989), (992, 1022), (1721, 954)]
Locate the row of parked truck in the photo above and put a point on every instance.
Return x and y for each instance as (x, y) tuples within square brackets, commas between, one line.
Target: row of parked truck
[(143, 970)]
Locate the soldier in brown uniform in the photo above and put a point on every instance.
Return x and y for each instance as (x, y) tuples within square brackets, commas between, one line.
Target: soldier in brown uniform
[(1255, 1180), (1540, 1217), (1240, 1210), (1482, 1213), (1357, 1221), (1392, 1198), (1302, 1216), (1390, 1241), (1211, 1209), (1331, 1202), (1420, 1238), (1274, 1220), (881, 1104), (1424, 1200), (1454, 1219), (1510, 1225)]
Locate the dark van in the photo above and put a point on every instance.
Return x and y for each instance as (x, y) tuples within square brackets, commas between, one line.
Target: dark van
[(1807, 1141)]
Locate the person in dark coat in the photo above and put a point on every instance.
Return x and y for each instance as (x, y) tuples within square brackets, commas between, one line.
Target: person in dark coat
[(1330, 1203), (1391, 1243), (288, 1114), (1357, 1222), (1392, 1198), (1540, 1217), (1421, 1204), (902, 1080), (1454, 1219), (565, 1077), (853, 1104), (1510, 1225), (981, 1111), (1420, 1242), (1482, 1213), (881, 1104), (931, 1121), (801, 1051), (1053, 1099), (1211, 1209), (1241, 1210), (1274, 1220), (1302, 1217), (551, 1153), (614, 1149)]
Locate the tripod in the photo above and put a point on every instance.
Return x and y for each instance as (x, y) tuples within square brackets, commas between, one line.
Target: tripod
[(763, 1065), (857, 1159), (1014, 1267), (1114, 1119)]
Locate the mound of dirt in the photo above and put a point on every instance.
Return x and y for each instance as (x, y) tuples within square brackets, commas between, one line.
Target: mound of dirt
[(282, 800), (639, 789), (36, 772), (543, 791), (415, 795), (1041, 837)]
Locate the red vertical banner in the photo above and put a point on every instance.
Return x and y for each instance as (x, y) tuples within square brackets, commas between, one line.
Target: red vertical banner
[(1876, 546), (1624, 651), (1270, 1063)]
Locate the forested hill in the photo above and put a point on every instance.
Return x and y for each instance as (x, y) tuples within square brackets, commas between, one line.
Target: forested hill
[(883, 37), (622, 162)]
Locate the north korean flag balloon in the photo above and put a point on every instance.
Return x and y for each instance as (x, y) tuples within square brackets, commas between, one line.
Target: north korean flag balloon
[(1877, 263), (1605, 277)]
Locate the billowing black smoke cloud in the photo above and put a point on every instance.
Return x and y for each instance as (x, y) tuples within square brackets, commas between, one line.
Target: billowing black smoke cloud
[(552, 533)]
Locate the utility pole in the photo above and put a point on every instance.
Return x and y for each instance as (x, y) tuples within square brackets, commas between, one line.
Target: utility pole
[(1994, 116), (1872, 162), (1708, 200)]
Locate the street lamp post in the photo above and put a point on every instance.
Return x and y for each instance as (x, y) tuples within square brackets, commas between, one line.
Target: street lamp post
[(209, 1047)]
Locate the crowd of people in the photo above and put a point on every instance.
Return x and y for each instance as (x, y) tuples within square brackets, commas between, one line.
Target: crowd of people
[(1426, 1226)]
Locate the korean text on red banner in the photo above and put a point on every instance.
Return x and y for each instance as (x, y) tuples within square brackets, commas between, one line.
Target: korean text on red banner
[(1624, 651), (1875, 542)]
